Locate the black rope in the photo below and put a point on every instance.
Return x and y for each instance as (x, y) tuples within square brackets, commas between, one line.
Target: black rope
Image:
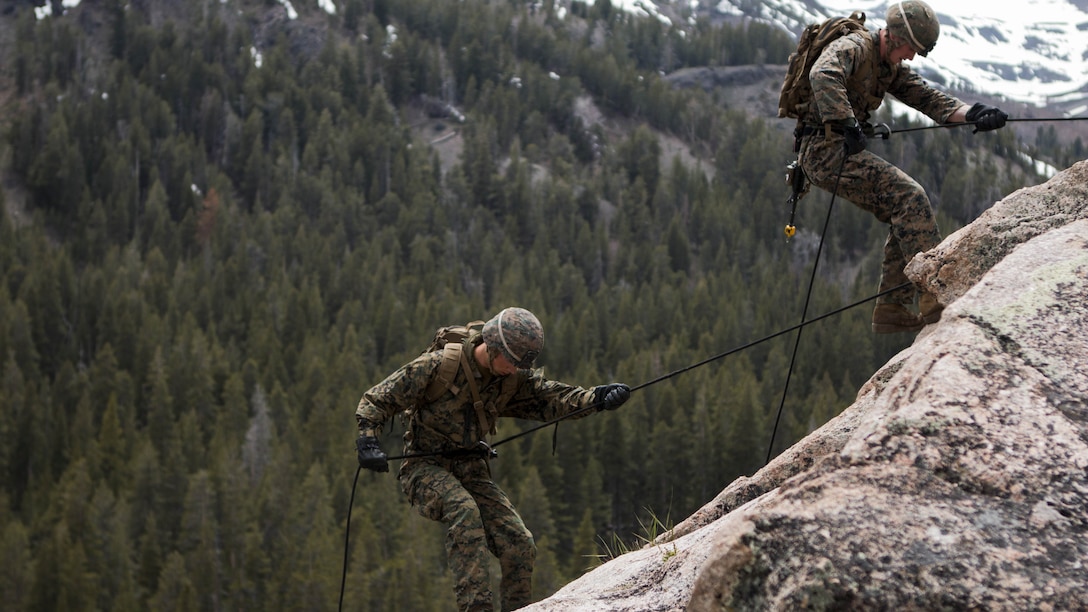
[(766, 338), (964, 123), (347, 534), (804, 311)]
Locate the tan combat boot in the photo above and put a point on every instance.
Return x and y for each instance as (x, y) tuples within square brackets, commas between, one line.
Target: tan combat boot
[(930, 308), (895, 318)]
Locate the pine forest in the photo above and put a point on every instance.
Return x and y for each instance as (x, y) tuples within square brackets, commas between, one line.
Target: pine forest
[(223, 223)]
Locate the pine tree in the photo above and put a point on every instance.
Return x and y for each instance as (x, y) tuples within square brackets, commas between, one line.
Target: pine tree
[(112, 447), (176, 592), (16, 565), (199, 541)]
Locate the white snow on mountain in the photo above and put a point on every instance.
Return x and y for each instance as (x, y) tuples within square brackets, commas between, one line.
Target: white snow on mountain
[(1033, 51)]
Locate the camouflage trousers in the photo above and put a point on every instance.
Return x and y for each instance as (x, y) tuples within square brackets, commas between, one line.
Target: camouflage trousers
[(479, 519), (891, 195)]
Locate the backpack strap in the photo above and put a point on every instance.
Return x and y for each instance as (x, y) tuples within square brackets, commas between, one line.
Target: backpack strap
[(477, 403), (447, 371), (454, 357)]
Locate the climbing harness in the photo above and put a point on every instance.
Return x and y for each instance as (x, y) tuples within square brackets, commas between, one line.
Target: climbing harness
[(795, 175), (482, 450)]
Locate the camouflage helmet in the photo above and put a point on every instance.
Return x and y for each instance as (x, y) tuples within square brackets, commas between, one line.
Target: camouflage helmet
[(914, 22), (517, 333)]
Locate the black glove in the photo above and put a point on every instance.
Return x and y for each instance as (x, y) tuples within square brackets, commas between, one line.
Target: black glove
[(371, 456), (611, 396), (853, 137), (986, 117)]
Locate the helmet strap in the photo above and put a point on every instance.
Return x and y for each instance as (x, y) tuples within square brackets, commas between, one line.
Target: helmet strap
[(506, 347), (910, 31)]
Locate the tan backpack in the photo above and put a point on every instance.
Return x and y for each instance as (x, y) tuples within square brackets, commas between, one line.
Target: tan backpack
[(796, 94)]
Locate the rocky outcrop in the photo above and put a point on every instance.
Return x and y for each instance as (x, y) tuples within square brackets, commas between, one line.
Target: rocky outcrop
[(957, 480), (961, 260)]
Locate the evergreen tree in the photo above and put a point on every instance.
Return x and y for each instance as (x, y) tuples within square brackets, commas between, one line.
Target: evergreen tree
[(16, 565)]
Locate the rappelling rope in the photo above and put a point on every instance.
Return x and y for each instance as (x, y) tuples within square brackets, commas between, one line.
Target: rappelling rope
[(347, 535), (965, 123), (804, 311)]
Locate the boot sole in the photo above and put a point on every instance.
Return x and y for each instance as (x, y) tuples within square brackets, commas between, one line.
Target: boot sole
[(889, 328)]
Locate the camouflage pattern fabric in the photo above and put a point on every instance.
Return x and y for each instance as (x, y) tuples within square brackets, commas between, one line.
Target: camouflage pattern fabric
[(479, 518), (837, 95), (459, 492), (517, 333), (914, 22), (870, 182)]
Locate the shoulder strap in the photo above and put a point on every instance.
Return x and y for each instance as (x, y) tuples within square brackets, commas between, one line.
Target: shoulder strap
[(454, 357), (447, 371), (477, 403)]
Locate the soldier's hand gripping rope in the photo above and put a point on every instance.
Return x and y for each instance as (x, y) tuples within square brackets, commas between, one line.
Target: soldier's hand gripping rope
[(370, 453), (986, 118)]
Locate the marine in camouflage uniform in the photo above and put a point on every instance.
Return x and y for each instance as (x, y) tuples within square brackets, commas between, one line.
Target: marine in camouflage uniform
[(452, 482), (849, 81)]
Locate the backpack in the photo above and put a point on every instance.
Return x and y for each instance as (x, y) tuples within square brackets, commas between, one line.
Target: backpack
[(451, 341), (796, 94)]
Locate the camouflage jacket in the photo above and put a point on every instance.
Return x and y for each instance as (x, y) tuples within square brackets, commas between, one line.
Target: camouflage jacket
[(450, 422), (838, 94)]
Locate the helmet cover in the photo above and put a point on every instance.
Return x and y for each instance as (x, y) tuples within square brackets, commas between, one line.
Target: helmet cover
[(517, 333), (914, 22)]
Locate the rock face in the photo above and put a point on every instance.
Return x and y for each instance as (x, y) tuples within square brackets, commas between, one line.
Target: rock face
[(957, 480)]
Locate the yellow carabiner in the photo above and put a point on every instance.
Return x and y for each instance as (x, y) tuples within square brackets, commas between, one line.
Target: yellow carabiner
[(790, 231)]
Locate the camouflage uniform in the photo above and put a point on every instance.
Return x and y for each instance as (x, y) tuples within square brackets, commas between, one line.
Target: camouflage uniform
[(841, 90), (458, 490)]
